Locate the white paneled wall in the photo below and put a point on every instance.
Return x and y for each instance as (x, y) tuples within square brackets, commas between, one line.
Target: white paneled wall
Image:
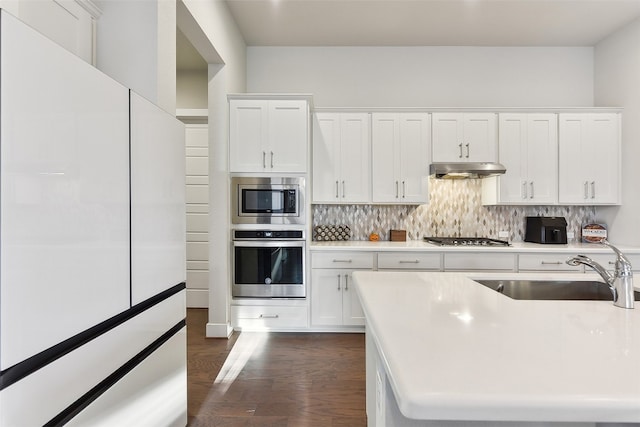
[(197, 180)]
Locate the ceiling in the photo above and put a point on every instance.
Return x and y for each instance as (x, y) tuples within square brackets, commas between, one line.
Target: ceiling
[(421, 23)]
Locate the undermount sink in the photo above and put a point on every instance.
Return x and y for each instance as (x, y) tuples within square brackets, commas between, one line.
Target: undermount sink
[(552, 289)]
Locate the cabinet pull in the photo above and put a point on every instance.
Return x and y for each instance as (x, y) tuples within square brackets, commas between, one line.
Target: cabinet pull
[(551, 263), (269, 316), (531, 195), (409, 262), (337, 189), (524, 189), (460, 147), (346, 282), (586, 190), (593, 189), (339, 281), (468, 152), (396, 189), (343, 260), (404, 189), (272, 160), (343, 190), (264, 159)]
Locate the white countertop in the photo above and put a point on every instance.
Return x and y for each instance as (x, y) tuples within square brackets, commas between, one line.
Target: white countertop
[(418, 245), (454, 349)]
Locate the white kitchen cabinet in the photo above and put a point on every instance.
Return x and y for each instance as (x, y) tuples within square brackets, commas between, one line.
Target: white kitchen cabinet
[(400, 157), (479, 261), (546, 262), (341, 158), (268, 135), (589, 159), (266, 317), (431, 261), (464, 137), (333, 298), (528, 148)]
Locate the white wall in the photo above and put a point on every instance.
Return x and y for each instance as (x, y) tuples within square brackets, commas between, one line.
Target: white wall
[(191, 89), (426, 76), (226, 74), (617, 83)]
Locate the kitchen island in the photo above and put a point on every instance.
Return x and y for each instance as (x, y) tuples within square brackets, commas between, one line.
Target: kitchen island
[(443, 350)]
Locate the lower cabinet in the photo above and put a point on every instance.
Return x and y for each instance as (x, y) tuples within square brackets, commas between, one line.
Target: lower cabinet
[(269, 317), (477, 261), (547, 262), (334, 301)]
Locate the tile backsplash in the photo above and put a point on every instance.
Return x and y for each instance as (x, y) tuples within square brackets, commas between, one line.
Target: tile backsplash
[(455, 209)]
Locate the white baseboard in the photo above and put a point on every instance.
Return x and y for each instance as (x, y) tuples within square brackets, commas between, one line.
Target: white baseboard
[(219, 330), (197, 298)]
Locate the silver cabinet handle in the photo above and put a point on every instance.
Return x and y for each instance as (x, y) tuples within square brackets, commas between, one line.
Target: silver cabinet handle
[(409, 262), (593, 189), (346, 282), (264, 159), (339, 281), (269, 316), (586, 190), (404, 189), (396, 189), (551, 263), (531, 195), (343, 260), (272, 160), (460, 147), (524, 189), (337, 189), (468, 151), (344, 191)]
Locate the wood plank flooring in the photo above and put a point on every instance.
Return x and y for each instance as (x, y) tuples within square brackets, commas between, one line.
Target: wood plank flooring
[(274, 379)]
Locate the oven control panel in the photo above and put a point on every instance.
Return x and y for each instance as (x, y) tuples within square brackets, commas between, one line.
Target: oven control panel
[(268, 234)]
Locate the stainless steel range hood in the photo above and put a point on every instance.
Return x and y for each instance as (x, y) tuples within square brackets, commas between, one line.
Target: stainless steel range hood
[(465, 170)]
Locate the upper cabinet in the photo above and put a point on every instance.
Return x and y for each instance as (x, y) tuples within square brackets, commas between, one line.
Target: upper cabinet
[(268, 135), (400, 157), (589, 159), (341, 158), (464, 137), (528, 148)]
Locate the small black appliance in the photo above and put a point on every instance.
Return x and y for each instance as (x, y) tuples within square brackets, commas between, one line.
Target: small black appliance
[(546, 230)]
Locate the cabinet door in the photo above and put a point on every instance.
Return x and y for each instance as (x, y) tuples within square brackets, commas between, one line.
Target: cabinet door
[(542, 159), (288, 136), (352, 313), (447, 137), (248, 134), (355, 158), (415, 131), (480, 143), (589, 159), (326, 157), (326, 296), (513, 155), (385, 152)]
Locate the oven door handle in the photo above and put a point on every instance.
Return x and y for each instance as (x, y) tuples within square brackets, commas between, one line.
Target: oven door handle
[(269, 243)]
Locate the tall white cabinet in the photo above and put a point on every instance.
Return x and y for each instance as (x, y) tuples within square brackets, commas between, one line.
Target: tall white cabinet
[(268, 135), (589, 158), (341, 158), (528, 148), (400, 157), (464, 137), (91, 244)]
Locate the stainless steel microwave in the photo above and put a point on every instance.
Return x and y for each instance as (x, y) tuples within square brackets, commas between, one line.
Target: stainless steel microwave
[(267, 200)]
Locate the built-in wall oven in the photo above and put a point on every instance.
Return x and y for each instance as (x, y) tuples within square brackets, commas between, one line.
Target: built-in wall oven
[(268, 263)]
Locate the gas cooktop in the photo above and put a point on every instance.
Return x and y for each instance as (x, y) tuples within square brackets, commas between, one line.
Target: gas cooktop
[(465, 241)]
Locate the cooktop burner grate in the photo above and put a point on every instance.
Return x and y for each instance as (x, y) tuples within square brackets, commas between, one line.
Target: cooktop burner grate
[(465, 241)]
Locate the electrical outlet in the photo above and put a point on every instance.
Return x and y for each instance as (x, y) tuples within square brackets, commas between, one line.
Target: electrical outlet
[(570, 234), (503, 234)]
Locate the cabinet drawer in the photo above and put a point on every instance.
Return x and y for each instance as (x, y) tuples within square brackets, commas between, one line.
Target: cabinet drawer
[(409, 261), (342, 260), (479, 261), (608, 261), (268, 317), (546, 262)]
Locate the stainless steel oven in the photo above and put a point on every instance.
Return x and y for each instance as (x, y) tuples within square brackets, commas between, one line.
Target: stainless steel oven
[(268, 264), (267, 200)]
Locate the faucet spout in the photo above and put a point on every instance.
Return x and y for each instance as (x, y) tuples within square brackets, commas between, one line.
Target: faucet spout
[(620, 282)]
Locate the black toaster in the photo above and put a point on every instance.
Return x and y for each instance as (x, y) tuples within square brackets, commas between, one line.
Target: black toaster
[(546, 230)]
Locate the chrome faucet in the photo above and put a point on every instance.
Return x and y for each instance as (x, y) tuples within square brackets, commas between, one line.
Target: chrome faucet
[(620, 282)]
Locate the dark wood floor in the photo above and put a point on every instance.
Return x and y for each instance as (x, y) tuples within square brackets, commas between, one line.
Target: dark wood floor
[(274, 379)]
